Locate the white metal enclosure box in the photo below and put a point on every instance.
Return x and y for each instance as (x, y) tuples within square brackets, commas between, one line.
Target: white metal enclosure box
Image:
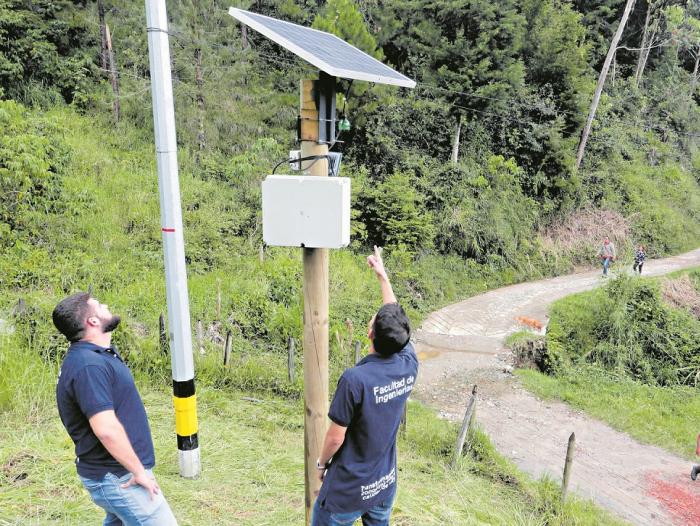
[(306, 211)]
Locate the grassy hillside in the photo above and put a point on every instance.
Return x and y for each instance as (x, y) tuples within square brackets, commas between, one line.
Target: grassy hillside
[(252, 466), (626, 355), (90, 219)]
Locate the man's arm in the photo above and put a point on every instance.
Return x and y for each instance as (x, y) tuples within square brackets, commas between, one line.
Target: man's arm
[(335, 436), (109, 430), (376, 263)]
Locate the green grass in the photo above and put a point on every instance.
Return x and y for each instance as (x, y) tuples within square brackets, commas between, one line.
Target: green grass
[(252, 468), (252, 462), (521, 336), (663, 416)]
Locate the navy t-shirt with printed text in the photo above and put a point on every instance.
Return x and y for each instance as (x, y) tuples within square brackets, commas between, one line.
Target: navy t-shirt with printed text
[(369, 401), (94, 379)]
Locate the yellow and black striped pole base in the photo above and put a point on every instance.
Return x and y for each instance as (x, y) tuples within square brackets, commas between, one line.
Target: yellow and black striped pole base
[(185, 401)]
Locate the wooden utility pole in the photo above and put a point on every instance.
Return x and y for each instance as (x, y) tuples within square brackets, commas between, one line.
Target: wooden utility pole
[(315, 310), (601, 82), (113, 75)]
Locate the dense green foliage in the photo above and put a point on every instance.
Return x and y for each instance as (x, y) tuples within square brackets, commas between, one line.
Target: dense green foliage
[(626, 328), (45, 50)]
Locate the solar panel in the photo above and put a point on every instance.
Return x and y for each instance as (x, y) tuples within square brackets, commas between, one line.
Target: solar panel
[(325, 51)]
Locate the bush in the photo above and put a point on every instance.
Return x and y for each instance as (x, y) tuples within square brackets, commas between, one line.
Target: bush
[(626, 328)]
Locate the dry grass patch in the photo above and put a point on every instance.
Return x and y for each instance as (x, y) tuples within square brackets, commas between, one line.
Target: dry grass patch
[(581, 233), (681, 293)]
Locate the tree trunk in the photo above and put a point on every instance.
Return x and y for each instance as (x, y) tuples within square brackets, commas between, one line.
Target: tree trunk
[(614, 68), (103, 36), (200, 97), (696, 70), (244, 36), (601, 82), (113, 75), (643, 51), (455, 144)]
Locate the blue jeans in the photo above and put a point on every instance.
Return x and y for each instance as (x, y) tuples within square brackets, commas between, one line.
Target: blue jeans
[(606, 265), (376, 516), (130, 506)]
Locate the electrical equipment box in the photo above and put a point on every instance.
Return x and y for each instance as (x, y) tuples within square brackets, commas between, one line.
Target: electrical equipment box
[(306, 211)]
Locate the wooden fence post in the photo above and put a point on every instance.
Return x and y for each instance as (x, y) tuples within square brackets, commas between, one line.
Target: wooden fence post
[(567, 465), (358, 352), (218, 299), (227, 348), (465, 427), (340, 342), (163, 335), (348, 326), (402, 425), (290, 359), (200, 336)]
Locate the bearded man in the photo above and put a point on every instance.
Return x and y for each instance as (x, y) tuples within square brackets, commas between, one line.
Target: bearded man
[(103, 413)]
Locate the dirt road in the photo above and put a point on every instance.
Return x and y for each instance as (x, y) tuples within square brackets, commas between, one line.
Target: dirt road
[(463, 344)]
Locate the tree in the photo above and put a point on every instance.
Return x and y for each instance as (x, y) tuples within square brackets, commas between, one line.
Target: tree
[(601, 82), (343, 19), (44, 42)]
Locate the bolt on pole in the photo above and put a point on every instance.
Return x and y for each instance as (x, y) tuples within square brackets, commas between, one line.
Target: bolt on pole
[(184, 397)]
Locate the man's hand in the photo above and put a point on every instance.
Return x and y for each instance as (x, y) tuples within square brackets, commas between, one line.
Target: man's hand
[(146, 481), (320, 475), (376, 263)]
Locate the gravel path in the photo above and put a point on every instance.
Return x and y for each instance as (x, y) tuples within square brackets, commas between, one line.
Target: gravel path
[(463, 344)]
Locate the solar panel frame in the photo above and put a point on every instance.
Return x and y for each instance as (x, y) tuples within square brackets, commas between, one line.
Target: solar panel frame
[(275, 30)]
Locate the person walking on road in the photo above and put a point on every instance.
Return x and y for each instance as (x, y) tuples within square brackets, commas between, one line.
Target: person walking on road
[(357, 466), (607, 255), (639, 257), (103, 413)]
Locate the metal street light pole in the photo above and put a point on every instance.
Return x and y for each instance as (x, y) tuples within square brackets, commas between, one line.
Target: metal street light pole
[(173, 240)]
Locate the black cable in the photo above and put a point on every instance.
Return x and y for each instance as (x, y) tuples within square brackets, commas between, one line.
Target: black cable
[(315, 158)]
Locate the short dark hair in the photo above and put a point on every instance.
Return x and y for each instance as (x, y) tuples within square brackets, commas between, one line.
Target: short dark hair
[(69, 316), (391, 328)]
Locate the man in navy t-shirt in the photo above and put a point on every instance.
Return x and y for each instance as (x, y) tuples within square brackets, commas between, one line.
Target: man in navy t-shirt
[(358, 459), (103, 413)]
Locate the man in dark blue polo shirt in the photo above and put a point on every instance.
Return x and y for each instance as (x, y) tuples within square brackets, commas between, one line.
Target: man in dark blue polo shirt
[(103, 413), (358, 459)]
